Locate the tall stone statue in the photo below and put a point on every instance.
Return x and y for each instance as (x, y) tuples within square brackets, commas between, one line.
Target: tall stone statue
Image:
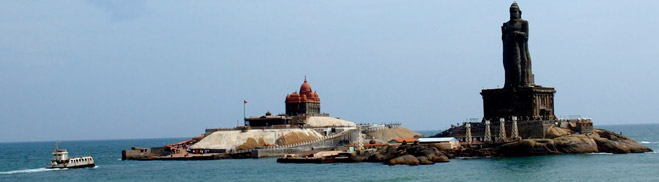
[(516, 57), (520, 96)]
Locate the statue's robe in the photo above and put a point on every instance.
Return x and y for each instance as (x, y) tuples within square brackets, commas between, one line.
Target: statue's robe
[(516, 57)]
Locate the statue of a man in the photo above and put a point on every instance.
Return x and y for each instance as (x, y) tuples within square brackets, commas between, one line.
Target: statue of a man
[(516, 57)]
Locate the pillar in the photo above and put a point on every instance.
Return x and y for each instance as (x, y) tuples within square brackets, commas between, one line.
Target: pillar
[(502, 130), (488, 135), (514, 135), (468, 136)]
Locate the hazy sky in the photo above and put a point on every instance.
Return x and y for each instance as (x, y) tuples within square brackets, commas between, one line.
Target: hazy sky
[(81, 70)]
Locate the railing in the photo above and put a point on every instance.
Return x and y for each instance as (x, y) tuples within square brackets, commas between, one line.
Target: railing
[(241, 151), (572, 120), (272, 127), (220, 129), (296, 144), (377, 127), (310, 141)]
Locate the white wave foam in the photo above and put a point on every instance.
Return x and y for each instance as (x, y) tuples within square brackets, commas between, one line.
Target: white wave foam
[(646, 142), (29, 171), (601, 153)]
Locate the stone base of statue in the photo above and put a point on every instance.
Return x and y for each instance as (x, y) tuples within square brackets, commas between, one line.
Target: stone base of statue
[(526, 103)]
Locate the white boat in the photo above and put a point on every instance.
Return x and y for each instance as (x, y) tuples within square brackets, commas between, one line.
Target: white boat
[(61, 160)]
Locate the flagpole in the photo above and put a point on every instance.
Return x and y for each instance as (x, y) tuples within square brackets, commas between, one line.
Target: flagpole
[(244, 116)]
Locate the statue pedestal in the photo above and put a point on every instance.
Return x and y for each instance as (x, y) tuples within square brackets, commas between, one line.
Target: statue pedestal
[(527, 103)]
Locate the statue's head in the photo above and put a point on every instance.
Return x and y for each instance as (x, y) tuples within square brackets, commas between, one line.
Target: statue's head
[(515, 13)]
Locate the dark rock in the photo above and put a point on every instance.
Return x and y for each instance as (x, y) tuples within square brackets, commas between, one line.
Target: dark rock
[(575, 144), (611, 142), (362, 156), (556, 132), (383, 154), (528, 147), (599, 141), (434, 155), (611, 146), (438, 158), (405, 160), (609, 135), (425, 154), (423, 160), (620, 146)]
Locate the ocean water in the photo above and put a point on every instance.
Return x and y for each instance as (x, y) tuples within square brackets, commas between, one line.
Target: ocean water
[(27, 161)]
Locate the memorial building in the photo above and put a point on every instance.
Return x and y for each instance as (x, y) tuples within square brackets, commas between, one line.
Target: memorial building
[(521, 109), (304, 102), (520, 96), (300, 106)]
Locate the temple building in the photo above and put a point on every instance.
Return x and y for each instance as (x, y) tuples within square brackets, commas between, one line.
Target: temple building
[(305, 102), (302, 109)]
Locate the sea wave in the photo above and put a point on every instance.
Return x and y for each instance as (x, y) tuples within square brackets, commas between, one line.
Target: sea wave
[(600, 153), (29, 171), (646, 142)]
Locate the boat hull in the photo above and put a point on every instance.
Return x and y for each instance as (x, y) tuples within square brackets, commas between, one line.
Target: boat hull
[(72, 167)]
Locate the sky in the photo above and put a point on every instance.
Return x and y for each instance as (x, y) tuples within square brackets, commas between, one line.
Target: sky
[(121, 69)]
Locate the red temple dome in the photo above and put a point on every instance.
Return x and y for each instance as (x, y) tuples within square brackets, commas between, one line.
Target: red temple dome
[(305, 94), (305, 88)]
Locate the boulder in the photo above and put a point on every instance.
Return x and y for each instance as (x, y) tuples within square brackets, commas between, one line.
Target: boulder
[(383, 154), (405, 160), (575, 144), (611, 142), (423, 160), (635, 147), (417, 150), (434, 155), (609, 135), (620, 146), (422, 154), (611, 146), (438, 158), (429, 151), (555, 132), (528, 147), (598, 141)]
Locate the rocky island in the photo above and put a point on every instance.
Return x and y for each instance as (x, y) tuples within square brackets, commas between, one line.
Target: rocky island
[(560, 141), (524, 112), (518, 120)]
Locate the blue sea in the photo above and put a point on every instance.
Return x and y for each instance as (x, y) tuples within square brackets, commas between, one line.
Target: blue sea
[(27, 161)]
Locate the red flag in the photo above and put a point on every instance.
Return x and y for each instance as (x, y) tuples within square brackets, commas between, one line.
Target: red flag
[(245, 101)]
